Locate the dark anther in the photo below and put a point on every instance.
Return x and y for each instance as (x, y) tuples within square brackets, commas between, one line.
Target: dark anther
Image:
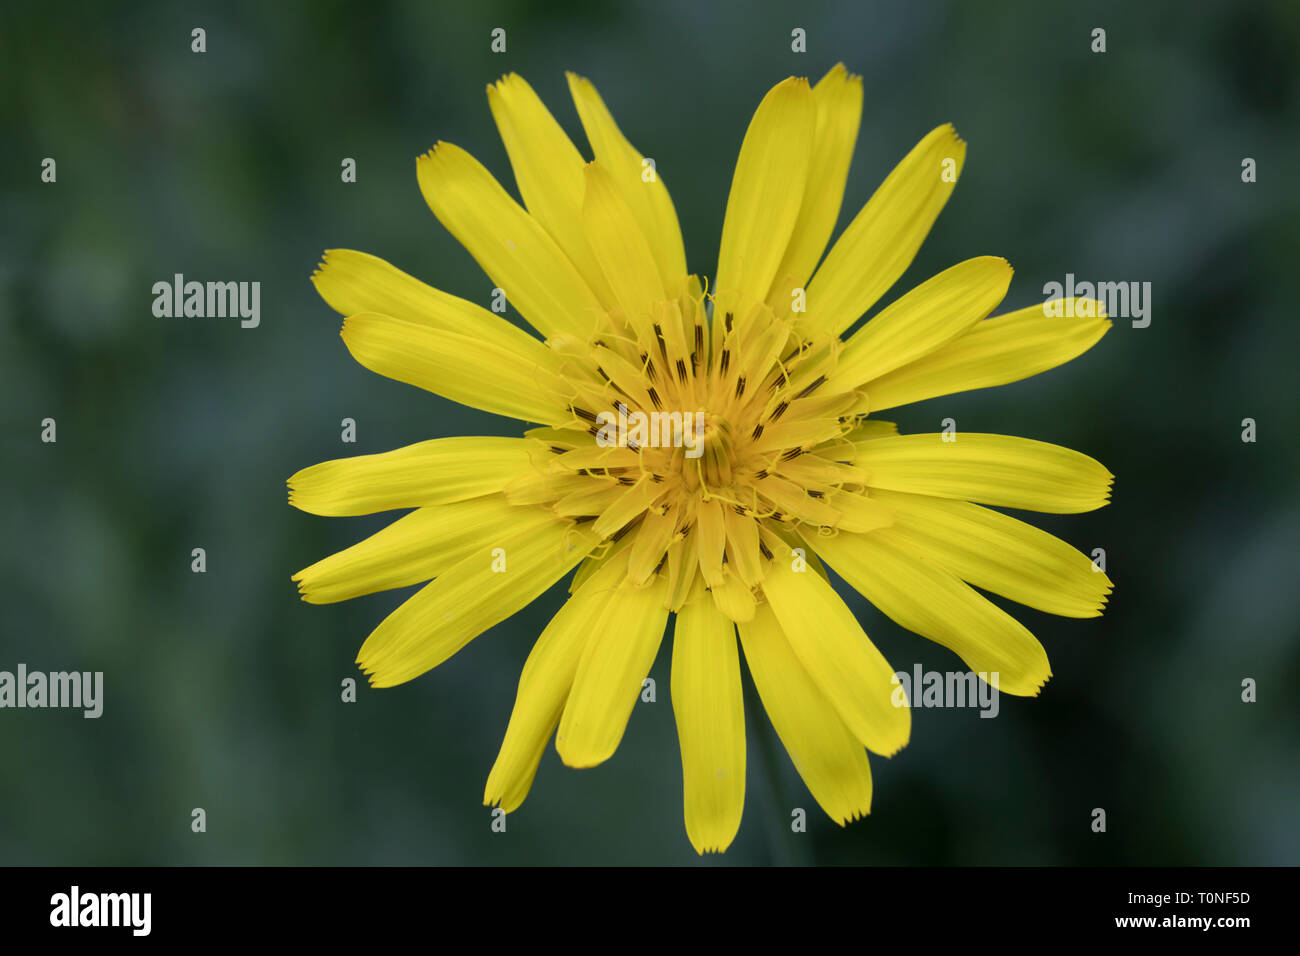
[(812, 387)]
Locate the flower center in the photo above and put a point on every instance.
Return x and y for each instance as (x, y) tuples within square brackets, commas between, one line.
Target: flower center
[(712, 468)]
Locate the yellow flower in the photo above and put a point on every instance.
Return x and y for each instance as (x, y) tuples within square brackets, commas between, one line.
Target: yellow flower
[(717, 516)]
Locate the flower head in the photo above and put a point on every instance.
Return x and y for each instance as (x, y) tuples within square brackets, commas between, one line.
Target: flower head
[(700, 445)]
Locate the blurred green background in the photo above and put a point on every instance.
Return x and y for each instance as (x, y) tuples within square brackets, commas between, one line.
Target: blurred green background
[(222, 689)]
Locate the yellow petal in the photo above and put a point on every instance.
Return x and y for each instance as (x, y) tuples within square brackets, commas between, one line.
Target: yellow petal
[(602, 556), (1005, 348), (629, 503), (990, 469), (733, 597), (608, 682), (766, 192), (514, 250), (353, 282), (468, 598), (711, 540), (627, 376), (860, 512), (548, 170), (871, 428), (925, 319), (928, 600), (468, 370), (544, 687), (829, 758), (415, 548), (793, 500), (1001, 554), (426, 473), (880, 243), (710, 713), (592, 497), (838, 97), (836, 653), (542, 487), (797, 433), (743, 546), (821, 474), (650, 544), (619, 249), (681, 568), (641, 185)]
